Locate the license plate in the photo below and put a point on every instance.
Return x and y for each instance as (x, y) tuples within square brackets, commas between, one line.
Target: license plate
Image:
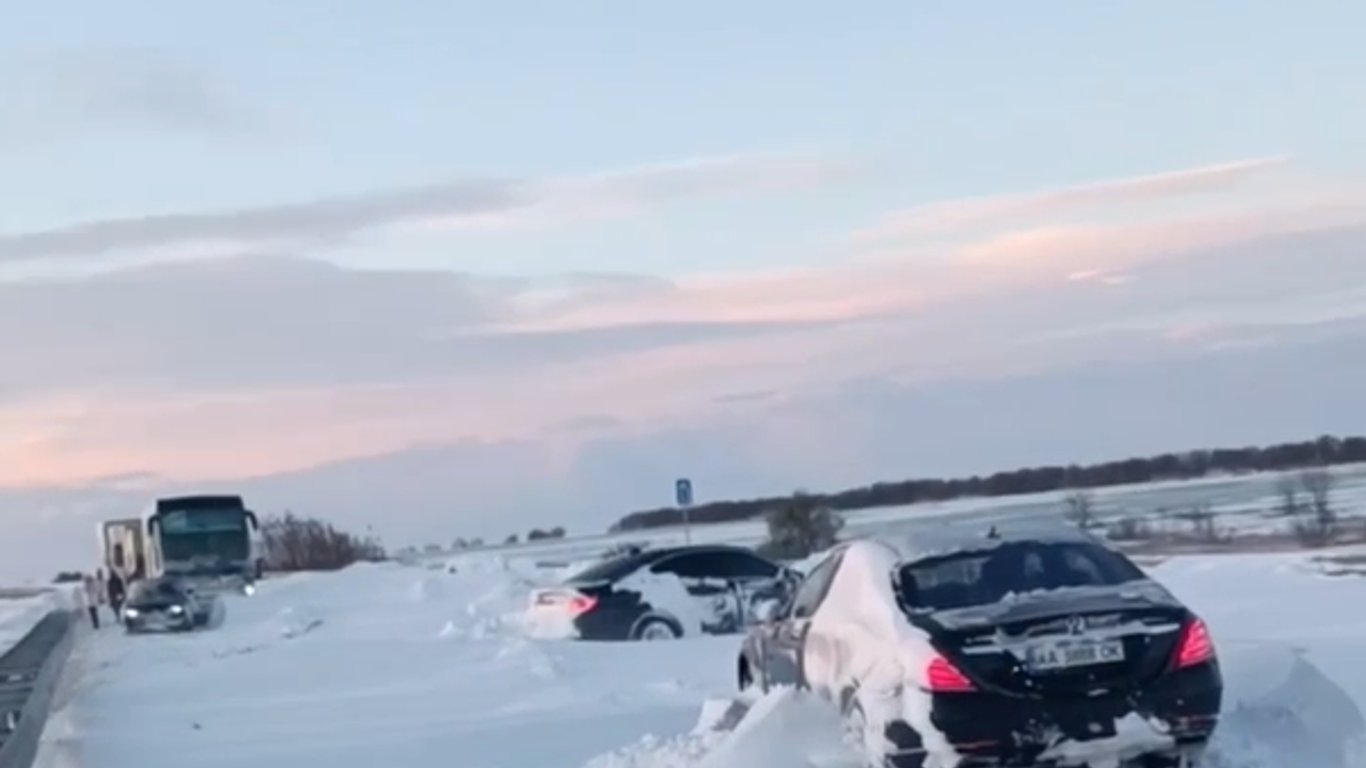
[(1066, 655)]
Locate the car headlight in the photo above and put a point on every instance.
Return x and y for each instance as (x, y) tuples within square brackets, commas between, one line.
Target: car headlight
[(131, 613), (176, 610)]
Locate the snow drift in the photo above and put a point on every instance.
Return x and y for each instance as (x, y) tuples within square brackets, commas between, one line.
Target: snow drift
[(1280, 710), (19, 615)]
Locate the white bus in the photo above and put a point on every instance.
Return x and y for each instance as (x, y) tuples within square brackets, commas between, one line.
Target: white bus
[(209, 539)]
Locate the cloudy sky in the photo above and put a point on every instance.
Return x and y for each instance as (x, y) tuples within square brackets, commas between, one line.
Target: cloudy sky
[(452, 269)]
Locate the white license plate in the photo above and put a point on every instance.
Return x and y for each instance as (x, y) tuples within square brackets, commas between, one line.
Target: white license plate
[(1069, 654)]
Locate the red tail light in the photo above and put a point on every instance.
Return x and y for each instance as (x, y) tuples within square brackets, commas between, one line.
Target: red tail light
[(1195, 646), (581, 604), (941, 676)]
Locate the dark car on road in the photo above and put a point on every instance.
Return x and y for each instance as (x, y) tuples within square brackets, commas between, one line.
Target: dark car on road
[(989, 648), (165, 605), (661, 594)]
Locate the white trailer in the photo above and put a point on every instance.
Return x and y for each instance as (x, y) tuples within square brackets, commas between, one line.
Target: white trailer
[(123, 547)]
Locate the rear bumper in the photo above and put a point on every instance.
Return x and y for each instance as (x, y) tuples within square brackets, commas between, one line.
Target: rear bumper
[(1176, 713)]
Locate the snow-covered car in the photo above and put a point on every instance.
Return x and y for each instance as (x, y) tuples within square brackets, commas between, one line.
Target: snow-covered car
[(661, 594), (963, 648), (166, 605)]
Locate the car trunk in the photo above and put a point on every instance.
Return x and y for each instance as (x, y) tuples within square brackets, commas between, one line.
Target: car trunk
[(571, 600), (1065, 647)]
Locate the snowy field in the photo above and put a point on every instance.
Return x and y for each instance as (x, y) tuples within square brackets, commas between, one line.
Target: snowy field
[(1240, 504), (21, 610), (412, 666)]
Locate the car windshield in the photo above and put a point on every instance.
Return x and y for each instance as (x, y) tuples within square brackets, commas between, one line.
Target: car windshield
[(153, 591), (983, 577)]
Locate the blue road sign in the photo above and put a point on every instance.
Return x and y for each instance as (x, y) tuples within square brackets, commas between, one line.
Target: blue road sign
[(683, 492)]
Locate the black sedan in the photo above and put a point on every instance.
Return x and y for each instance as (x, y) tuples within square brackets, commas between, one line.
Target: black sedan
[(165, 605), (961, 648), (661, 594)]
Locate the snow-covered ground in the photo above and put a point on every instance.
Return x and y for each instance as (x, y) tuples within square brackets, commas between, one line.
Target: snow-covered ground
[(1240, 504), (412, 666), (21, 612)]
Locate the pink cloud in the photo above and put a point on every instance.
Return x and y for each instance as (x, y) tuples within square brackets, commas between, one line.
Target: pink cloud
[(910, 310), (939, 218), (916, 278)]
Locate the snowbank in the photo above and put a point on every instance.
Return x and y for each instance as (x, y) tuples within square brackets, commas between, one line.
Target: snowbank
[(1282, 710), (785, 728), (21, 614)]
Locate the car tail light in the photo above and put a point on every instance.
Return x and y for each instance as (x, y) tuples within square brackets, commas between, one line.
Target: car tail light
[(575, 603), (581, 604), (941, 676), (1195, 646)]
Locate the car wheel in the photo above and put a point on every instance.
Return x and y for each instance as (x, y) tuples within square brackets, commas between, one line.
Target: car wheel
[(656, 629)]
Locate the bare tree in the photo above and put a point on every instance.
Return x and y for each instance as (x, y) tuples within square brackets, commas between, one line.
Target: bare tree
[(1319, 525), (1130, 528), (294, 543), (1201, 519), (1288, 489), (801, 527), (1080, 509)]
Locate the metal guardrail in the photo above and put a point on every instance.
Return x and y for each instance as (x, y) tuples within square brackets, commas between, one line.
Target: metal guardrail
[(28, 680)]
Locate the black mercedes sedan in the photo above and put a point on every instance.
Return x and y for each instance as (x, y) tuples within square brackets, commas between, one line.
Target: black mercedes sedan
[(963, 647)]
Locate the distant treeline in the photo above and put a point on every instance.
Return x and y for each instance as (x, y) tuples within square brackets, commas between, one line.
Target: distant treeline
[(1325, 451)]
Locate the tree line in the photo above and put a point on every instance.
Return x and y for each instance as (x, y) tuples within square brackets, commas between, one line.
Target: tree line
[(1189, 465)]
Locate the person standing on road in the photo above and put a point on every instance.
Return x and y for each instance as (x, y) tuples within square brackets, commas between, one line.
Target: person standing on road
[(91, 593), (117, 591)]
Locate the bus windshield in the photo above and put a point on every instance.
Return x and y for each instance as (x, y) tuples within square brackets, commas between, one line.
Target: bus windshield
[(204, 534), (228, 545), (202, 520)]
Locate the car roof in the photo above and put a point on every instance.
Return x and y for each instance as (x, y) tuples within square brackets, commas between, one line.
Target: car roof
[(928, 541), (620, 566), (653, 555)]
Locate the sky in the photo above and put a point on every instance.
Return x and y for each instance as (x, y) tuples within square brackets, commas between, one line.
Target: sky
[(452, 269)]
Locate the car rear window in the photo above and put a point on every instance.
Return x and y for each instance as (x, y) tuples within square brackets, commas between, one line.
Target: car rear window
[(983, 577), (613, 569)]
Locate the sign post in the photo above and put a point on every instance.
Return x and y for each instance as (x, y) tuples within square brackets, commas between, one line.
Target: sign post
[(683, 497)]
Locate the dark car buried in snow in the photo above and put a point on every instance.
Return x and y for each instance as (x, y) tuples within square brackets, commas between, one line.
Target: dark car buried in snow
[(166, 605), (959, 648), (661, 594)]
